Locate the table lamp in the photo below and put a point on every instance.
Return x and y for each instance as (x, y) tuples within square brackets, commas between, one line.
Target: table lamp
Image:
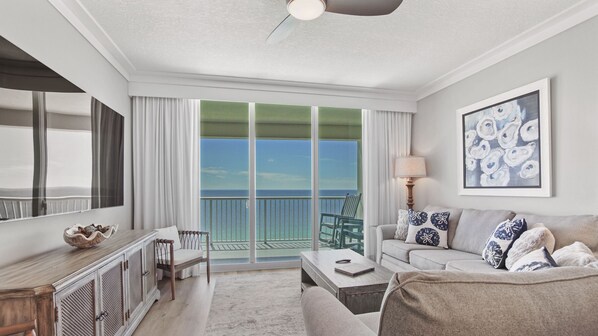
[(410, 167)]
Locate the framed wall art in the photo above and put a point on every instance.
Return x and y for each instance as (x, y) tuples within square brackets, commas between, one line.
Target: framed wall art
[(504, 144)]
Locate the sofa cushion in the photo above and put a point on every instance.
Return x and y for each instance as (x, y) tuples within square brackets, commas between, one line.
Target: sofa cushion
[(475, 226), (568, 229), (400, 250), (371, 320), (501, 240), (396, 265), (453, 219), (534, 261), (428, 228), (556, 301), (471, 266), (437, 259)]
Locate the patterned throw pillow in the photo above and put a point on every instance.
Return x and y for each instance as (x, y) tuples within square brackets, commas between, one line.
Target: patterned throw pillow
[(501, 240), (533, 261), (428, 228), (402, 225)]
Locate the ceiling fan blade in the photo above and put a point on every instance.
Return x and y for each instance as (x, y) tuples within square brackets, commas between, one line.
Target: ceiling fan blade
[(283, 30), (361, 7)]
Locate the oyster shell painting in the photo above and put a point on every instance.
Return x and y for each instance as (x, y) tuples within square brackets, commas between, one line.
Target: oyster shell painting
[(501, 145)]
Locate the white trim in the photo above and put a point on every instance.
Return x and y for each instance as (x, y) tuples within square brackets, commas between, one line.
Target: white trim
[(555, 25), (543, 86), (91, 30), (152, 84), (160, 84), (315, 183), (252, 192)]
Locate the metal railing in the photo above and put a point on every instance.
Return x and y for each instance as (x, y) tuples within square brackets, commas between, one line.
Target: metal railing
[(284, 218)]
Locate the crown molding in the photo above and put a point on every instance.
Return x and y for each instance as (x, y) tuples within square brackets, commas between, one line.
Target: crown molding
[(149, 82), (81, 19), (559, 23), (268, 91)]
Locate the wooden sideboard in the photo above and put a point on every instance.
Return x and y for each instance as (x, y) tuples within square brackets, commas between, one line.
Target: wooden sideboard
[(105, 290)]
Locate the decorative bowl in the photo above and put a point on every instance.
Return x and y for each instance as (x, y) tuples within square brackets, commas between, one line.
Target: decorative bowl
[(88, 236)]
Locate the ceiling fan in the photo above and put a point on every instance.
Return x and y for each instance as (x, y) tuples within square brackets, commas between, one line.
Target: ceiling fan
[(306, 10)]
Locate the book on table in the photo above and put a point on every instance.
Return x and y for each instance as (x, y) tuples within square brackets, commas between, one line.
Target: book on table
[(354, 269)]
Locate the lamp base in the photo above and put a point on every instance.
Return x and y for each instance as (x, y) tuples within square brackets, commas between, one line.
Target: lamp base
[(410, 185)]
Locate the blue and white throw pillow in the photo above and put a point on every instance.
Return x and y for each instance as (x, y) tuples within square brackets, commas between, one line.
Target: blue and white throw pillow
[(536, 260), (501, 240), (428, 228)]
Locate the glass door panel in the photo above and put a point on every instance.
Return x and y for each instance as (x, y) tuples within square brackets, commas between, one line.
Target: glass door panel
[(283, 181), (339, 163), (225, 179)]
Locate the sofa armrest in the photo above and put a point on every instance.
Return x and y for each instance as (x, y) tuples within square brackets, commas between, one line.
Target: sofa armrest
[(324, 315), (383, 232)]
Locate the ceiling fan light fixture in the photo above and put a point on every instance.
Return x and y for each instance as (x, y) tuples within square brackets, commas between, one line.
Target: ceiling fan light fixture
[(306, 9)]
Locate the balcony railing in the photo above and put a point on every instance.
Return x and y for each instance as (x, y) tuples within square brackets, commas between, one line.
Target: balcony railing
[(279, 219)]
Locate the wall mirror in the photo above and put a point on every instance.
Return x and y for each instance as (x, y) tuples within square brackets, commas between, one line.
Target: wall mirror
[(61, 150)]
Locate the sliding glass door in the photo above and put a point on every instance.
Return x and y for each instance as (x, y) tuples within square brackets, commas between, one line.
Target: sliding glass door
[(339, 163), (225, 180), (262, 178), (283, 181)]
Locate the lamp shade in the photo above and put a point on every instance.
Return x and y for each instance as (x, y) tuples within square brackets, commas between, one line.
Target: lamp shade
[(410, 166)]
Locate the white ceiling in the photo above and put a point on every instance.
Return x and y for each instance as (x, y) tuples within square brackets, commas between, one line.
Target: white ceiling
[(417, 44)]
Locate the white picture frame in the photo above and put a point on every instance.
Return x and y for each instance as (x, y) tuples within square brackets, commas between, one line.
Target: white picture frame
[(504, 144)]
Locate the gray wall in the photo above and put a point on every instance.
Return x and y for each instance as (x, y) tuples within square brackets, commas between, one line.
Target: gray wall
[(54, 42), (570, 59)]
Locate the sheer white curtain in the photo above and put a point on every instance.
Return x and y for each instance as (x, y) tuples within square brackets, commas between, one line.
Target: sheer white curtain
[(166, 144), (386, 136)]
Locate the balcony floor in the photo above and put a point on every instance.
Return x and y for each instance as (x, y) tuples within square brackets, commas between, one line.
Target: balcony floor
[(275, 249)]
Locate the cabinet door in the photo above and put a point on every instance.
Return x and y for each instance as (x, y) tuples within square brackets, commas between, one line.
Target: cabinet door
[(111, 299), (135, 280), (150, 275), (76, 306)]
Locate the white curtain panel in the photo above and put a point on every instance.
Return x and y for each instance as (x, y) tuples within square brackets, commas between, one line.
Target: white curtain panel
[(386, 136), (166, 175)]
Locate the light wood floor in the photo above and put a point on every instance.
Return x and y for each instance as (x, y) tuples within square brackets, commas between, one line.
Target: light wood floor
[(188, 314)]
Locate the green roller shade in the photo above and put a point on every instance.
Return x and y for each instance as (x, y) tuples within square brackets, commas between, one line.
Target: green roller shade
[(339, 123), (224, 119), (231, 120), (282, 121)]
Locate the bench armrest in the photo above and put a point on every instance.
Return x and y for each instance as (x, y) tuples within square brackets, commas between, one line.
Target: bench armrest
[(324, 315), (164, 251), (383, 232)]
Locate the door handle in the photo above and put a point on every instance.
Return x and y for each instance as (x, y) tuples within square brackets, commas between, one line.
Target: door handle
[(146, 273), (102, 316)]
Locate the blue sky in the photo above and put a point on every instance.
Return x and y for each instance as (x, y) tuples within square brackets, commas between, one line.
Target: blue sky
[(280, 164)]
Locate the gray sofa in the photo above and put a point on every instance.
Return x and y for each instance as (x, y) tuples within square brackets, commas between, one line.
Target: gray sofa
[(556, 301), (468, 231)]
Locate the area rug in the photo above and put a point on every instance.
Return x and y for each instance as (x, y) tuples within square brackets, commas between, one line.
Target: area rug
[(257, 303)]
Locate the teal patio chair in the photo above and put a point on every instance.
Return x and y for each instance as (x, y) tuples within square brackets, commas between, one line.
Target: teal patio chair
[(330, 223), (351, 234)]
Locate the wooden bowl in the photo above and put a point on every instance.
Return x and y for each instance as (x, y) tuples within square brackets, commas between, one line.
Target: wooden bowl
[(73, 237)]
